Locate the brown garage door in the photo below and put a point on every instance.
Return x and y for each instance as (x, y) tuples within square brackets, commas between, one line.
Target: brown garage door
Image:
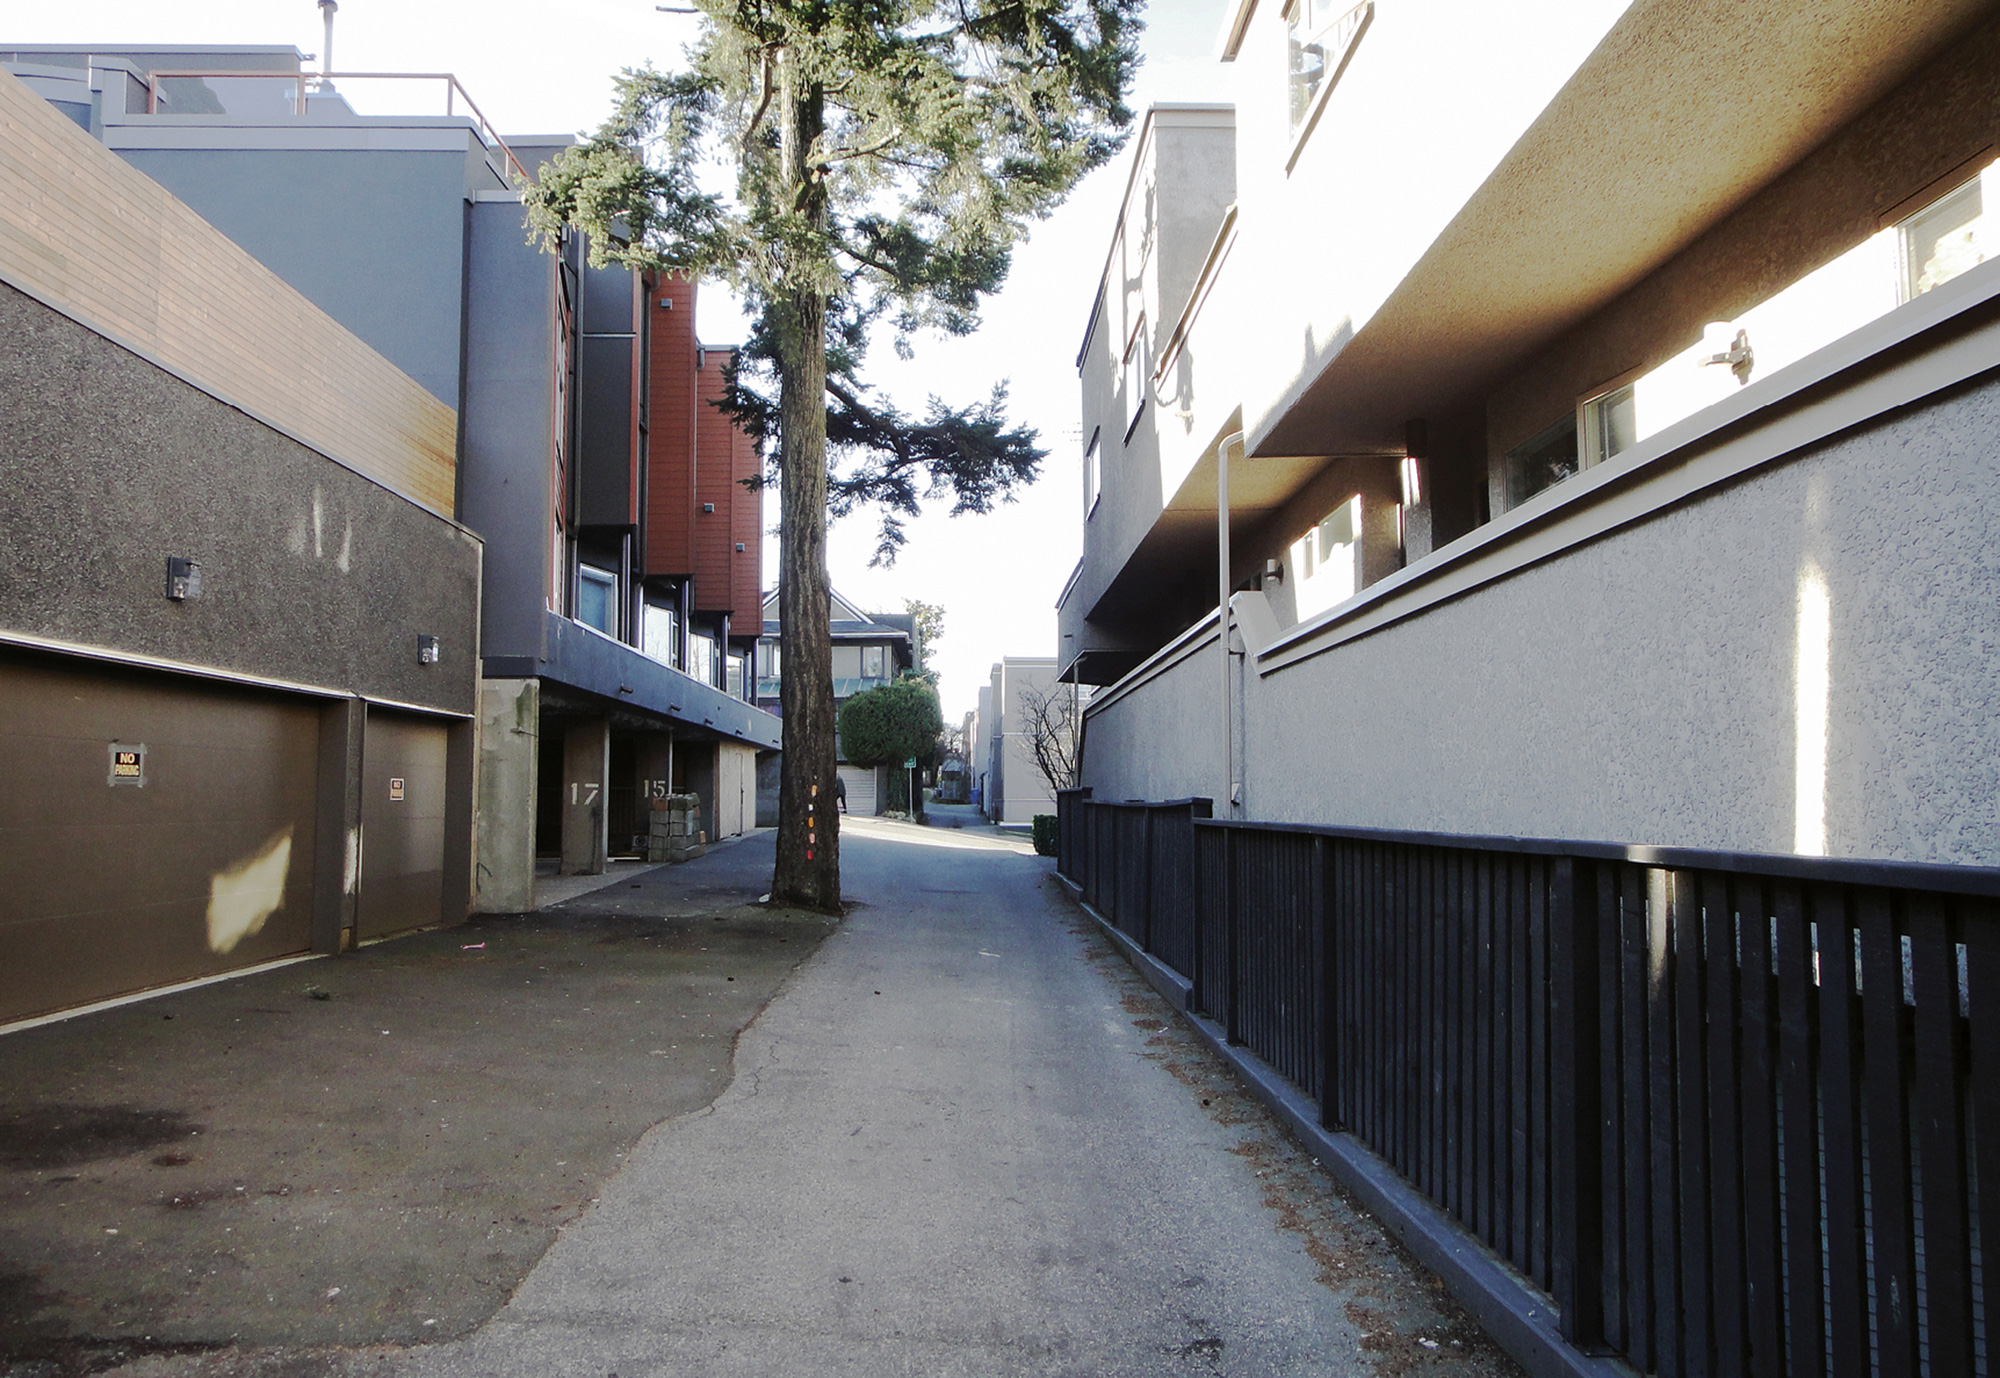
[(152, 830), (402, 824)]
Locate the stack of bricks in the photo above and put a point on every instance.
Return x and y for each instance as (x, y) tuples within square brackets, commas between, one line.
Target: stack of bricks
[(675, 833)]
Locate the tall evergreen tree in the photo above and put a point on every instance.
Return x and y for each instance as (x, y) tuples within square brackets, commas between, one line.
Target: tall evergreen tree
[(887, 156)]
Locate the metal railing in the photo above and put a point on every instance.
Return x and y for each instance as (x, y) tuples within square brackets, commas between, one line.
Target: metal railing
[(306, 84), (1734, 1114)]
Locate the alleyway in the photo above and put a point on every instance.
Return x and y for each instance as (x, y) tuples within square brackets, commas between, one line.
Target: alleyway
[(963, 1138), (966, 1141)]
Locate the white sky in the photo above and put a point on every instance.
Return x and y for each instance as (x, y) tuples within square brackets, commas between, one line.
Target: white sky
[(539, 69)]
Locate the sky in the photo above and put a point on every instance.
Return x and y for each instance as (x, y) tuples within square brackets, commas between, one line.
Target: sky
[(537, 69)]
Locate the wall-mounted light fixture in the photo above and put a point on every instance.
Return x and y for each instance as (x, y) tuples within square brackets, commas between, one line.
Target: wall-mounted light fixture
[(739, 547), (708, 507), (1274, 571), (666, 303), (1739, 356), (429, 651), (183, 578)]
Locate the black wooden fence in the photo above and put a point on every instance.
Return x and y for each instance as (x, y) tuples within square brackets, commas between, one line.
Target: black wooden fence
[(1732, 1113)]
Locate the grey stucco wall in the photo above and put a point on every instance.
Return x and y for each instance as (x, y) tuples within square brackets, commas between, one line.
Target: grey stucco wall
[(311, 573), (1643, 688), (1165, 740), (375, 238)]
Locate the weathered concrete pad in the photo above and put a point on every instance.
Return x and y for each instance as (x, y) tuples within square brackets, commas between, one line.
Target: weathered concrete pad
[(374, 1148)]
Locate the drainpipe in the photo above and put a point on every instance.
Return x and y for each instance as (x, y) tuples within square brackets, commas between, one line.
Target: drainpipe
[(1222, 614)]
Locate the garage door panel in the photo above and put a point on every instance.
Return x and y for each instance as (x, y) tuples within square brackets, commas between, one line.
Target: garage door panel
[(115, 888), (860, 790), (402, 824), (122, 872)]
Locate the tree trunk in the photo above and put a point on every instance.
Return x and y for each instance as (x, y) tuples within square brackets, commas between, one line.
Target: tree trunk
[(808, 866)]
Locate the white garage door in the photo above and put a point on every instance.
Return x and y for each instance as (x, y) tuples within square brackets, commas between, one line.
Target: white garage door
[(860, 790)]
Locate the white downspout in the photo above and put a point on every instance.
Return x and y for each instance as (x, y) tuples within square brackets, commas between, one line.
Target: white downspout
[(1222, 615)]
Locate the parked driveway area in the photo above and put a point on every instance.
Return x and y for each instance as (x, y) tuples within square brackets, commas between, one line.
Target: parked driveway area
[(658, 1130)]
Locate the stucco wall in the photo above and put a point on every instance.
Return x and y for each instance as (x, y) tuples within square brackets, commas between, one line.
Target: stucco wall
[(1164, 740), (311, 573), (1644, 688)]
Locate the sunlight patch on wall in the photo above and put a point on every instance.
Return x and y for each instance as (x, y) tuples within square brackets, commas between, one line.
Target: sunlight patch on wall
[(1815, 691), (243, 896)]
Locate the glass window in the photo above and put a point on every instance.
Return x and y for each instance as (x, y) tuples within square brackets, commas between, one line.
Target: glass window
[(1093, 476), (1319, 36), (1610, 424), (1944, 239), (659, 634), (733, 678), (1132, 390), (701, 657), (597, 599), (874, 660), (1549, 458), (846, 666)]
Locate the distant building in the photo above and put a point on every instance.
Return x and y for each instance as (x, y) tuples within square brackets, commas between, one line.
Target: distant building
[(1014, 788), (869, 650)]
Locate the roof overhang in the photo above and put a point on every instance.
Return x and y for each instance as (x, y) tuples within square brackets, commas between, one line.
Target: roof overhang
[(1678, 116)]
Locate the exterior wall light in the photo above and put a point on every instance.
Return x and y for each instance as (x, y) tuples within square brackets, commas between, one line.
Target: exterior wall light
[(183, 578), (1739, 356), (1274, 571), (429, 651)]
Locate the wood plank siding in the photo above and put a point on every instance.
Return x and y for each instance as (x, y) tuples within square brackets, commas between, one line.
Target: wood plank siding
[(94, 238)]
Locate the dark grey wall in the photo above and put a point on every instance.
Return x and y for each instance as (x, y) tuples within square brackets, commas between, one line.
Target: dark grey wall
[(311, 573), (508, 423), (374, 238)]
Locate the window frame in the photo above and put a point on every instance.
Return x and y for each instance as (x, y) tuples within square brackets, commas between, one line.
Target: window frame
[(1589, 413), (606, 580), (1093, 473), (1970, 175), (1302, 128), (1133, 379)]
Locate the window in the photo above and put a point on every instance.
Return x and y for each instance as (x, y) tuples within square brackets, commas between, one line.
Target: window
[(597, 599), (1610, 424), (1944, 239), (701, 657), (768, 663), (874, 662), (1320, 36), (733, 677), (846, 670), (1093, 476), (659, 634), (1326, 560), (1548, 458), (1132, 389)]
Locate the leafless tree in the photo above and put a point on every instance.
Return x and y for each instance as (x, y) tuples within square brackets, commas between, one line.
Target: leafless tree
[(1052, 722)]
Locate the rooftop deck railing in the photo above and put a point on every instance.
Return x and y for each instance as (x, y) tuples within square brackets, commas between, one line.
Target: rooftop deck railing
[(234, 92)]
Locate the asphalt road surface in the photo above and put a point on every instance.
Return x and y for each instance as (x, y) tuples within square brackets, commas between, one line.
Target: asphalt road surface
[(967, 1140), (962, 1138)]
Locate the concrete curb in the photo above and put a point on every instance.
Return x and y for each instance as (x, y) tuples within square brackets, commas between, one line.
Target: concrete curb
[(1518, 1317)]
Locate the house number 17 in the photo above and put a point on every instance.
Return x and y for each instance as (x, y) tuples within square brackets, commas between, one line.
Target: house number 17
[(582, 793)]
